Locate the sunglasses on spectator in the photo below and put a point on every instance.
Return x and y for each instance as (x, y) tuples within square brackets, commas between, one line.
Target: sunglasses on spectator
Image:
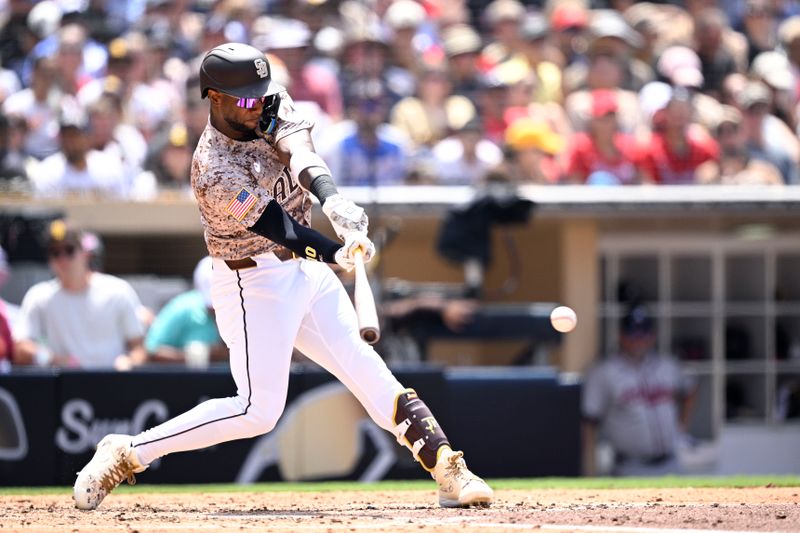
[(67, 251)]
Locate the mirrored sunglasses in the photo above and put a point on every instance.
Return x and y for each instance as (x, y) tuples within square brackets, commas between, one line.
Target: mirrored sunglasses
[(249, 103)]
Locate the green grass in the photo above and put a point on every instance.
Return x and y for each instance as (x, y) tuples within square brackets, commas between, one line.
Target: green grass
[(518, 484)]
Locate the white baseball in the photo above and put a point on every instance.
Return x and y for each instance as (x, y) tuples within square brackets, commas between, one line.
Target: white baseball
[(563, 319)]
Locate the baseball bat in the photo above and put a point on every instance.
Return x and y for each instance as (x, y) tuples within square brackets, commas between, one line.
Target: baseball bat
[(367, 315)]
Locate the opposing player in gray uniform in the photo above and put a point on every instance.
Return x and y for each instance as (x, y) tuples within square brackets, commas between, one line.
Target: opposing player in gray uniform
[(640, 400), (252, 173)]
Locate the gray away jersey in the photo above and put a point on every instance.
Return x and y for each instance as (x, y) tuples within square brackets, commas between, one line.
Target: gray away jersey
[(233, 181)]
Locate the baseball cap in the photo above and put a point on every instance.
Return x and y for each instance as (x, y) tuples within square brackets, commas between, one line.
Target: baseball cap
[(654, 97), (774, 69), (501, 10), (534, 26), (609, 23), (789, 31), (460, 39), (569, 15), (680, 63), (62, 233), (754, 93), (604, 101), (404, 14), (202, 279), (637, 321), (526, 133)]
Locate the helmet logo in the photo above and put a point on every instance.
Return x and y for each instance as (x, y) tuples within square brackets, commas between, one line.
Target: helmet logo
[(261, 68)]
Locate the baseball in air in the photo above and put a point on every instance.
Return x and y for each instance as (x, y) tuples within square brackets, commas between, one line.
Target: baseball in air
[(563, 319)]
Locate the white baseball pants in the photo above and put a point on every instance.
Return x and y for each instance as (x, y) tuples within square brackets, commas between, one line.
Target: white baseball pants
[(262, 312)]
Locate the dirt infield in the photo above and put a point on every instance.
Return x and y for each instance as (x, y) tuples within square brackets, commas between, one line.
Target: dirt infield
[(616, 510)]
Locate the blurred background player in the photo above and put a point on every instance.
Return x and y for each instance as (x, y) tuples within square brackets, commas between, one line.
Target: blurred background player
[(639, 401)]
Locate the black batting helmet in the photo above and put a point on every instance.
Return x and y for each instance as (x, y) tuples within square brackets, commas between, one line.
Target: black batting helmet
[(238, 70)]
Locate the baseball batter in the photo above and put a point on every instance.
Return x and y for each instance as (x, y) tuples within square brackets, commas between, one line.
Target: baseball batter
[(252, 173)]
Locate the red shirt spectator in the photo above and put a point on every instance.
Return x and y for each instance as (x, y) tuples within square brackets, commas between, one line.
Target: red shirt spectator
[(584, 159), (603, 153), (664, 165), (677, 147)]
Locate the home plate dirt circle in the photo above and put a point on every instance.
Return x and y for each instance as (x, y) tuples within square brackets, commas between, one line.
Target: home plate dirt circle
[(686, 510)]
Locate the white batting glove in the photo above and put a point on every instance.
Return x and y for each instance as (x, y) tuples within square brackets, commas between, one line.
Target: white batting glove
[(345, 216), (353, 241)]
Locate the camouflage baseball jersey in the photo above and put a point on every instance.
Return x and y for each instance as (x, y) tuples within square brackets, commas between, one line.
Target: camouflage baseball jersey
[(233, 181)]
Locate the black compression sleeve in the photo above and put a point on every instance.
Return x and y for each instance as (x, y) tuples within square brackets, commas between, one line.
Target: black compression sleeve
[(278, 226), (322, 187)]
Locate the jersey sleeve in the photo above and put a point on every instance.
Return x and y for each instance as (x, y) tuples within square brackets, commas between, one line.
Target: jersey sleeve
[(289, 119)]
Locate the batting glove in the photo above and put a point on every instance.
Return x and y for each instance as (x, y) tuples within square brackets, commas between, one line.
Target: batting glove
[(345, 216), (353, 241)]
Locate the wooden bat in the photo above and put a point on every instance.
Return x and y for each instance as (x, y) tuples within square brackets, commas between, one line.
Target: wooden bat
[(368, 325)]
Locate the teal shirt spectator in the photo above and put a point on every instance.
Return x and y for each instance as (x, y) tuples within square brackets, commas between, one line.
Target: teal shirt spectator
[(184, 319)]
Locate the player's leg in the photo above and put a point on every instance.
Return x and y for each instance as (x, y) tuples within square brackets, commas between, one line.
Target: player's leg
[(329, 336), (260, 339)]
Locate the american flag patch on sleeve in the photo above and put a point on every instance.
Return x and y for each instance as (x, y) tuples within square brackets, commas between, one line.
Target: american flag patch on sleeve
[(241, 204)]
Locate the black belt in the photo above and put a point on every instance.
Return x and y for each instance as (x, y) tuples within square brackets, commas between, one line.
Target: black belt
[(284, 254)]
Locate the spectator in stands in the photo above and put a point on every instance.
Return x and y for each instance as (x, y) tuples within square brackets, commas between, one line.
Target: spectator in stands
[(759, 25), (789, 36), (603, 154), (365, 55), (72, 70), (610, 36), (169, 161), (81, 318), (411, 38), (289, 40), (606, 69), (736, 165), (38, 105), (14, 162), (541, 57), (677, 146), (531, 150), (78, 169), (493, 101), (466, 157), (370, 154), (680, 66), (775, 71), (569, 21), (639, 400), (462, 45), (767, 137), (120, 141), (185, 330), (502, 18), (425, 118), (717, 60)]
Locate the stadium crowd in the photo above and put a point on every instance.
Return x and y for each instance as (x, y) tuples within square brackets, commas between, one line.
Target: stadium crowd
[(102, 96)]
